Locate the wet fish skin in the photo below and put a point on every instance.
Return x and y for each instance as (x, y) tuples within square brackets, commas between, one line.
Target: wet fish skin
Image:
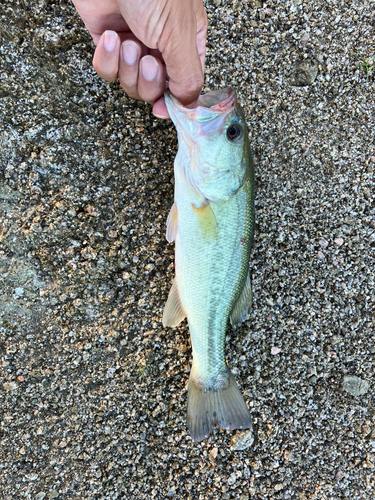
[(212, 223)]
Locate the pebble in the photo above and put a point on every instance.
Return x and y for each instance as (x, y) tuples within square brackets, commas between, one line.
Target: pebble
[(232, 478), (323, 243), (10, 386), (355, 386), (242, 440), (304, 73)]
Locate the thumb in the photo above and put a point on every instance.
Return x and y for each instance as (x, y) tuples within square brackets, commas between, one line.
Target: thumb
[(183, 44)]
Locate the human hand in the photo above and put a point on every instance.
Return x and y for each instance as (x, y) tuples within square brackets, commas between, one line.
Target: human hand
[(146, 43)]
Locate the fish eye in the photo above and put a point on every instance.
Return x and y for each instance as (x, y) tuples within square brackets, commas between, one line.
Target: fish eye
[(234, 132)]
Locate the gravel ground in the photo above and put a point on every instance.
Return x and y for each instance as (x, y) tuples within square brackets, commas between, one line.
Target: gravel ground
[(93, 389)]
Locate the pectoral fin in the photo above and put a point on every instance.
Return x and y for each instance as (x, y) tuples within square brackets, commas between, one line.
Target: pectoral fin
[(173, 312), (172, 223), (206, 220), (242, 306)]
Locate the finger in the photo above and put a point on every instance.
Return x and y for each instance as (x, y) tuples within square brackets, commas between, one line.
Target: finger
[(178, 45), (201, 38), (128, 67), (99, 15), (159, 109), (106, 56), (151, 79)]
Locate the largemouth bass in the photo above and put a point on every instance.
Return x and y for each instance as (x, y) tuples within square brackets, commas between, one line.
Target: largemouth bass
[(212, 224)]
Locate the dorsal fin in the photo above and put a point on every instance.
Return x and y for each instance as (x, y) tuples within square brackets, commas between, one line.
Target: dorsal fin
[(243, 304), (173, 312), (172, 223)]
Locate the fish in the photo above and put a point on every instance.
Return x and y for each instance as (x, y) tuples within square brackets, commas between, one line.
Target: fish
[(212, 224)]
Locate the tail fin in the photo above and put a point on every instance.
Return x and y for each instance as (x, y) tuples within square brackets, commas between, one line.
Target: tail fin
[(220, 407)]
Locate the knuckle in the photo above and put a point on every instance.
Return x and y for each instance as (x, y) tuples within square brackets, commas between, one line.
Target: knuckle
[(193, 84)]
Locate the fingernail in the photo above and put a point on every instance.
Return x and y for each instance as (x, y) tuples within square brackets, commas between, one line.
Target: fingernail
[(149, 68), (129, 52), (110, 39)]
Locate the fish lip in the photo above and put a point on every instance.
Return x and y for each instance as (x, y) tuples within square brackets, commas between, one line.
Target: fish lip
[(198, 110)]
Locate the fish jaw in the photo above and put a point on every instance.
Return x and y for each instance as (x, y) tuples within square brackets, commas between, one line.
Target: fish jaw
[(205, 116)]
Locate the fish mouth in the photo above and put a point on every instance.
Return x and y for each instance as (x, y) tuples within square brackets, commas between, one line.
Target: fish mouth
[(222, 100), (207, 107)]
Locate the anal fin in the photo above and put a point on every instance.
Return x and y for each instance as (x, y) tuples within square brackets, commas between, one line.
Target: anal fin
[(172, 223), (242, 306), (173, 313)]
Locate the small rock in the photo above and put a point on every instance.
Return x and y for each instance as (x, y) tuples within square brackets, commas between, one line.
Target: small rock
[(10, 386), (340, 474), (320, 255), (275, 350), (304, 73), (355, 386), (323, 243), (53, 494), (242, 440), (91, 210), (339, 241), (40, 496), (232, 478), (32, 477), (263, 50), (366, 429), (288, 456), (213, 453), (305, 38), (19, 292)]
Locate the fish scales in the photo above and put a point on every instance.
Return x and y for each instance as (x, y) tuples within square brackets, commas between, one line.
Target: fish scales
[(212, 223)]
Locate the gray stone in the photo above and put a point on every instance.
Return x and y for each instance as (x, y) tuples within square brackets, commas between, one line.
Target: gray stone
[(242, 440), (304, 73), (355, 386)]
